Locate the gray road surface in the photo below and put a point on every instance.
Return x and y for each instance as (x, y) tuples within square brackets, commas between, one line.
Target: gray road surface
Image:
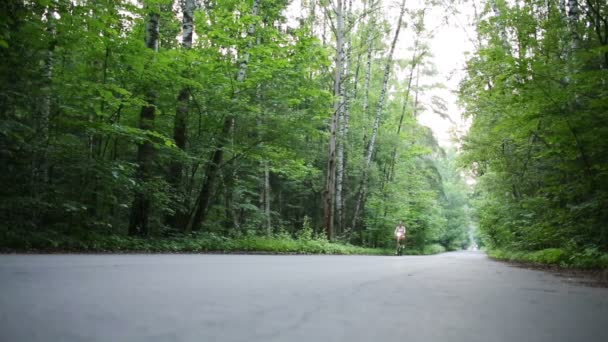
[(448, 297)]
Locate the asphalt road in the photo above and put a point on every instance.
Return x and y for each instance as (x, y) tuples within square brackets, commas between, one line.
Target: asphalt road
[(448, 297)]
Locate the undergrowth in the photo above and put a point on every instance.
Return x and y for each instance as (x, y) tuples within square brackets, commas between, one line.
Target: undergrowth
[(589, 258), (13, 241)]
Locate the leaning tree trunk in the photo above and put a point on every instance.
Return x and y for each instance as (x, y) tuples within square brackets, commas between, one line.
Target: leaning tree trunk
[(203, 199), (199, 215), (367, 7), (368, 71), (370, 150), (329, 194), (140, 209), (391, 169), (416, 60), (180, 124)]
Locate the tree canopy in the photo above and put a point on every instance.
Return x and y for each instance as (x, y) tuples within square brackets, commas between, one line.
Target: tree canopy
[(536, 93), (171, 118)]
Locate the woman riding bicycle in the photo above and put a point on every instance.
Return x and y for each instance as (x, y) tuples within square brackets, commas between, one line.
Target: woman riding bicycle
[(400, 232)]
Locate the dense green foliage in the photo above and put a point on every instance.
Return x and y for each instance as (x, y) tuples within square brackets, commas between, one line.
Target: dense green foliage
[(91, 139), (536, 92)]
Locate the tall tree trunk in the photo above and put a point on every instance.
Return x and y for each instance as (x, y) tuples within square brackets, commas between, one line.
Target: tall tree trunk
[(140, 209), (344, 117), (242, 73), (329, 195), (312, 16), (199, 215), (180, 124), (573, 18), (203, 199), (359, 207), (416, 60), (391, 168), (368, 72), (40, 167), (501, 27), (573, 23), (267, 198), (416, 93), (324, 31)]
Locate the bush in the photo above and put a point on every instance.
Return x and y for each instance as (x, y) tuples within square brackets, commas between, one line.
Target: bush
[(589, 258), (306, 233), (548, 256), (433, 249)]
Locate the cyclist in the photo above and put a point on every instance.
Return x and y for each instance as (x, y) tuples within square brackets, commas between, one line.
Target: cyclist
[(400, 232)]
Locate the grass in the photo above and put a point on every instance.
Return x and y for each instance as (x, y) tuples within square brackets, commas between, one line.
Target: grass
[(87, 242), (589, 258)]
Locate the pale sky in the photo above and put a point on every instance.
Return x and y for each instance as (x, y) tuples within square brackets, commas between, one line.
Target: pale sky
[(448, 46)]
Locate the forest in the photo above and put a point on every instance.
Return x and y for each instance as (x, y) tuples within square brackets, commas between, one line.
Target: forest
[(536, 92), (293, 126)]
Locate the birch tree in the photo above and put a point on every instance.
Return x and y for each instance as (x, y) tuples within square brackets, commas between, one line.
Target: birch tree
[(180, 122), (368, 68), (345, 96), (329, 195), (370, 149), (500, 26), (535, 139)]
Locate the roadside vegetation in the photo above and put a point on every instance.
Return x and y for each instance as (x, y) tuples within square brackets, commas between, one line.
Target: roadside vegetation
[(192, 126), (538, 143), (282, 243), (586, 259)]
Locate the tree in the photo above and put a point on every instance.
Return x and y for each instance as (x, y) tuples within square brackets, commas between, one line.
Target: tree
[(534, 141), (204, 199), (140, 209), (370, 149), (180, 123), (153, 126)]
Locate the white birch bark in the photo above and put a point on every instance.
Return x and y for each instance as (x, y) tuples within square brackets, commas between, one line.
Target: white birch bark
[(241, 75), (330, 179), (324, 32), (573, 18), (562, 8), (501, 28), (368, 70), (312, 16), (188, 7), (343, 117), (370, 150), (183, 99), (250, 32)]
